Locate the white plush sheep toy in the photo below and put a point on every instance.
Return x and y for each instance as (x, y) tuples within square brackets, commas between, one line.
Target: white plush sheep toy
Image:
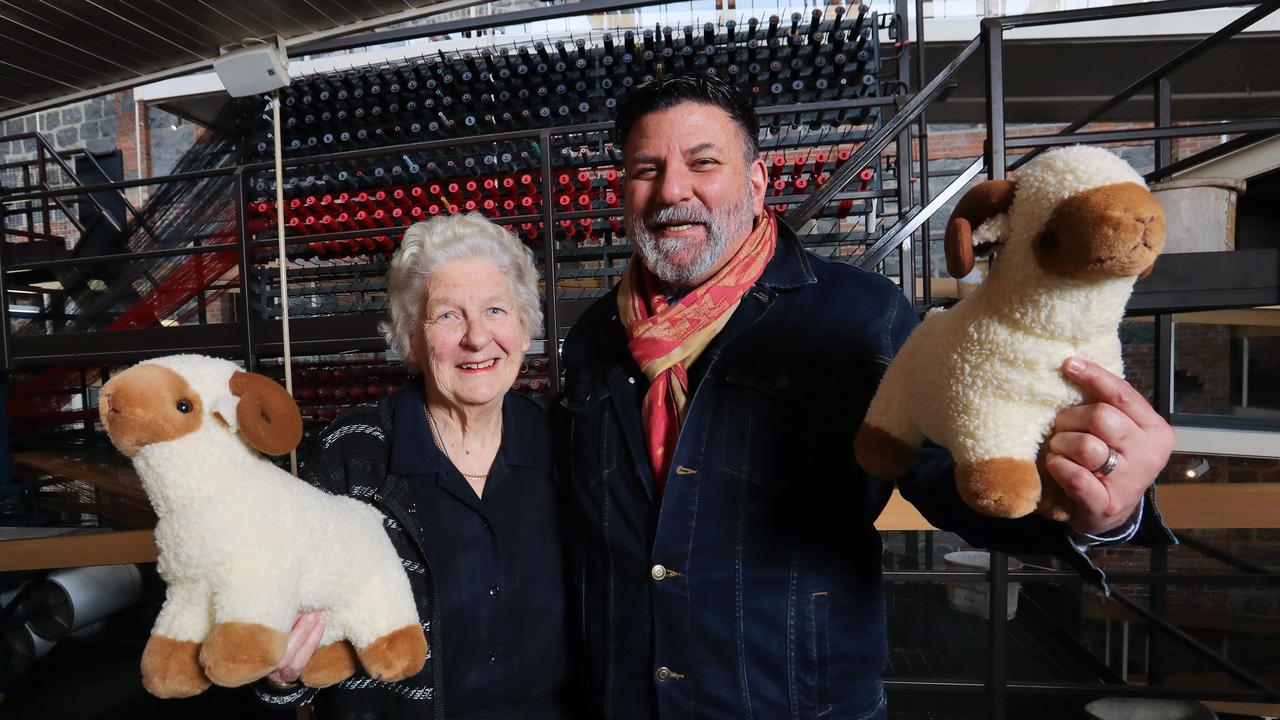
[(1073, 231), (245, 546)]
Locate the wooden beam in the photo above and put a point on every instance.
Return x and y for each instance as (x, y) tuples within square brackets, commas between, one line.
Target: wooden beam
[(78, 550), (1185, 506), (1227, 506), (901, 515)]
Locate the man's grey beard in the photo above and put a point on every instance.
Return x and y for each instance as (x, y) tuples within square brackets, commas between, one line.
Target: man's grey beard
[(722, 227)]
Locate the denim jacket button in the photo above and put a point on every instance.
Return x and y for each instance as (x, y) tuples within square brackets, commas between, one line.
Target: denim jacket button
[(658, 572), (631, 380), (663, 674)]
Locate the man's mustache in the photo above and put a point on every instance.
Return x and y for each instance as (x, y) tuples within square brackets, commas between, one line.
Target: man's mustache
[(678, 215)]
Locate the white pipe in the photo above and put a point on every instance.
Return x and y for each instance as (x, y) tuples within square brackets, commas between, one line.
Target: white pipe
[(137, 146), (284, 270), (70, 599)]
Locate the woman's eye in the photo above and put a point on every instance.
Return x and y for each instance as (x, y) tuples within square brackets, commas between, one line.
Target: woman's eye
[(450, 315), (496, 311)]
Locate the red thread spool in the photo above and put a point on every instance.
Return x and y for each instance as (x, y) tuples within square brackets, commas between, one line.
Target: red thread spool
[(819, 160), (866, 175), (797, 165)]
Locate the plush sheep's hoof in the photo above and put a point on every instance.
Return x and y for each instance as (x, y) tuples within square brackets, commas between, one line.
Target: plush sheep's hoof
[(1000, 487), (237, 653), (330, 664), (882, 454), (1054, 503), (171, 668), (396, 655)]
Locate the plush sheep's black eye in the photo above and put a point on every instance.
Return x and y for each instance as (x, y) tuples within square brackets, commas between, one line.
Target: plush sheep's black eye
[(1048, 240), (184, 406)]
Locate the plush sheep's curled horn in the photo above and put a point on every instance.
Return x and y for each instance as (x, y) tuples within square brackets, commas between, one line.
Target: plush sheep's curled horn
[(266, 416), (985, 200)]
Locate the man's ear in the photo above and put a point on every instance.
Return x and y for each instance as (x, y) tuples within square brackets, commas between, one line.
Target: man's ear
[(758, 176)]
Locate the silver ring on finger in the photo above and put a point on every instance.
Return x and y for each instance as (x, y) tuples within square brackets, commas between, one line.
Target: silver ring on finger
[(1113, 459)]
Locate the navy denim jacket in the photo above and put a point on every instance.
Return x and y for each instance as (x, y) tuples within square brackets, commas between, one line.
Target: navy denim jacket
[(752, 586)]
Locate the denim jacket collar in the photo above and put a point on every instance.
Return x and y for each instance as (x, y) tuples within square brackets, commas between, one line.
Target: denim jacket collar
[(789, 268)]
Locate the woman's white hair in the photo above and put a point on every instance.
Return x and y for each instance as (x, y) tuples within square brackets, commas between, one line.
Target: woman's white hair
[(428, 245)]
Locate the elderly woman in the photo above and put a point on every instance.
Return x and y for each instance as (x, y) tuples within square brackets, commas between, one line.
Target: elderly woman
[(461, 468)]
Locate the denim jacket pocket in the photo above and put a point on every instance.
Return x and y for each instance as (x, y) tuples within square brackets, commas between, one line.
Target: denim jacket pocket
[(817, 675), (786, 416)]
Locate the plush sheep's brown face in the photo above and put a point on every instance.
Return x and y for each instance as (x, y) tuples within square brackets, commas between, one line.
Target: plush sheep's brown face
[(1109, 231), (148, 404)]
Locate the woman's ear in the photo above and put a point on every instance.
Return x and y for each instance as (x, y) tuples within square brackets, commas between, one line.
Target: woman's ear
[(266, 416)]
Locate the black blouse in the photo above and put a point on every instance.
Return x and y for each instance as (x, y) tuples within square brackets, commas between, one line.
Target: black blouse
[(496, 562)]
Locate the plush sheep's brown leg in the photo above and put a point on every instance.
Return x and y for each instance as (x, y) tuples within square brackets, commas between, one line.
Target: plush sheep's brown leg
[(330, 664), (882, 454), (237, 653), (1001, 487), (396, 655), (171, 668), (1054, 503)]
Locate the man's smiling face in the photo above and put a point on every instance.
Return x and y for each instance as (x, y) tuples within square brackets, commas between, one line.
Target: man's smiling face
[(691, 194)]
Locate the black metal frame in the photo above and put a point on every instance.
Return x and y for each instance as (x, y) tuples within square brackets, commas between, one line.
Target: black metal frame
[(997, 688), (111, 347)]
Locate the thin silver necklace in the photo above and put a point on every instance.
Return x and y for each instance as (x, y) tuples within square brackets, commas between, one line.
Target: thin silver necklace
[(439, 441)]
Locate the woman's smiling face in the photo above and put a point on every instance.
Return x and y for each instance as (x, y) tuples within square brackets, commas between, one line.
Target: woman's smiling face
[(472, 340)]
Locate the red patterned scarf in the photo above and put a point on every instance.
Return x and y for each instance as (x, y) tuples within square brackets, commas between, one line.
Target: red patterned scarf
[(666, 339)]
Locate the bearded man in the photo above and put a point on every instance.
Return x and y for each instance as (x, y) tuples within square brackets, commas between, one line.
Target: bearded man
[(725, 556)]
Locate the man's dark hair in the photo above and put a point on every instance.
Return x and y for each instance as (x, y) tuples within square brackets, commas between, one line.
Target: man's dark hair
[(665, 93)]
